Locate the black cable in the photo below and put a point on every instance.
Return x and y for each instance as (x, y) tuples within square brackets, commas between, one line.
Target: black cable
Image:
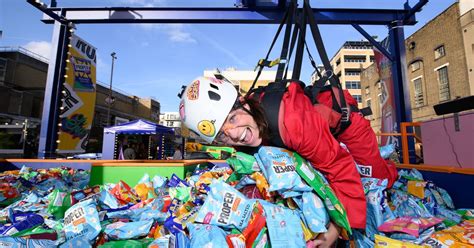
[(450, 142)]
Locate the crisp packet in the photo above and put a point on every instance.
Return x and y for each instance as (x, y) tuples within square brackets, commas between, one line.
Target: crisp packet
[(203, 235), (314, 213), (144, 188), (82, 219), (128, 230), (409, 225), (248, 237), (262, 186), (243, 163), (225, 206), (162, 242), (11, 242), (416, 188), (381, 241), (378, 210), (278, 166), (284, 226), (31, 221), (323, 190), (78, 242), (59, 202), (387, 150), (107, 200), (446, 197), (80, 195), (461, 235), (138, 243), (124, 193)]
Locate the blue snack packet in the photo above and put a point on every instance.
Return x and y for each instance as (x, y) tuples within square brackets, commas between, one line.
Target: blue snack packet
[(314, 212), (279, 167), (225, 206), (162, 242), (378, 210), (284, 226), (21, 224), (11, 242), (202, 235), (128, 230), (82, 219), (446, 198), (387, 150), (80, 241)]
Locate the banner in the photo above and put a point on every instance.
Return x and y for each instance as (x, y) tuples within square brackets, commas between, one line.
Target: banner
[(79, 94), (387, 101)]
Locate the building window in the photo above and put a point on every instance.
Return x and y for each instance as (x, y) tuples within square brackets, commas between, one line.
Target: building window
[(443, 82), (418, 85), (352, 84), (354, 59), (372, 58), (352, 72), (358, 98), (439, 52), (415, 66), (3, 69)]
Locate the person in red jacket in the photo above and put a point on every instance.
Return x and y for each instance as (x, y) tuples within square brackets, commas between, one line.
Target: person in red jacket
[(213, 109), (361, 142)]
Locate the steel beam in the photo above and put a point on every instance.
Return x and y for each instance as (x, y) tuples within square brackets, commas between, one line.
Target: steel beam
[(52, 97), (400, 80), (259, 15)]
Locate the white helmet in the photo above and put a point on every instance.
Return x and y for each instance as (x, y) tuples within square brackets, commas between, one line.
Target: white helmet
[(205, 104)]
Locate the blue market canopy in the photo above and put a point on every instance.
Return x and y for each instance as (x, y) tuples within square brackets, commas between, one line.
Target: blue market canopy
[(139, 127)]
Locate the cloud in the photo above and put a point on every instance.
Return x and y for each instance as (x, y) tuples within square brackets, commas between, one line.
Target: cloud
[(175, 32), (42, 48)]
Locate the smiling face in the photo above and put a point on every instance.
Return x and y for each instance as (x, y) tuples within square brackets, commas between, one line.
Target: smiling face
[(240, 129)]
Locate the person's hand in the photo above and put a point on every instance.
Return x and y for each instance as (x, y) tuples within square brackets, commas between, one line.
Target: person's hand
[(328, 238)]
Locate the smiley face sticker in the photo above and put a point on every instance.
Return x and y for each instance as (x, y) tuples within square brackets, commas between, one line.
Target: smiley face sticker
[(207, 128)]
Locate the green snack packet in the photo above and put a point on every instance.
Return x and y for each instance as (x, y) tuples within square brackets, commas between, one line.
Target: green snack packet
[(316, 180), (59, 202), (262, 239), (33, 230), (234, 178), (467, 214), (243, 163), (181, 193), (132, 243)]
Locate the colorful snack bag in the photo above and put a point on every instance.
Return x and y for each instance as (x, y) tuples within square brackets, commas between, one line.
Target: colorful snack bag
[(225, 206), (128, 230), (461, 235), (278, 166), (243, 163), (314, 213), (84, 194), (362, 240), (451, 217), (446, 197), (59, 202), (262, 186), (407, 225), (381, 241), (31, 221), (387, 150), (107, 200), (162, 242), (416, 188), (138, 243), (82, 219), (202, 235), (123, 193), (424, 235), (144, 188), (77, 242), (317, 181), (11, 242), (378, 210), (284, 226)]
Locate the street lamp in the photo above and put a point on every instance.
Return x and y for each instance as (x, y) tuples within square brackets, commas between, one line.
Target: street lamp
[(110, 99)]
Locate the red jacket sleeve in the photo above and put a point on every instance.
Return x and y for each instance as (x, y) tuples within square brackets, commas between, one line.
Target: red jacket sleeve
[(306, 132)]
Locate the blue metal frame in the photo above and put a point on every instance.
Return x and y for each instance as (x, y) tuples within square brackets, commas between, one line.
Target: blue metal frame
[(249, 13), (53, 93)]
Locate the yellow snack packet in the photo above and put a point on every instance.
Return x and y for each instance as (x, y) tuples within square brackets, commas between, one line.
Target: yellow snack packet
[(382, 241), (459, 236), (308, 234), (416, 188)]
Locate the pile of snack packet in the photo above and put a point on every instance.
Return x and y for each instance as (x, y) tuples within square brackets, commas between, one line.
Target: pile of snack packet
[(273, 198)]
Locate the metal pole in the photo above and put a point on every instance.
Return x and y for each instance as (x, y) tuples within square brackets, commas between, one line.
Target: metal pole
[(109, 99)]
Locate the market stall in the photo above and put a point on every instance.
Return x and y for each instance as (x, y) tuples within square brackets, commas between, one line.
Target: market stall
[(115, 136)]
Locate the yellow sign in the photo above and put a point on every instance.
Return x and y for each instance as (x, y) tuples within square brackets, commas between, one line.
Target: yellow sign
[(79, 94)]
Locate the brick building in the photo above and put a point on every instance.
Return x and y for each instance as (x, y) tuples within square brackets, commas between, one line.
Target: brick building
[(440, 61)]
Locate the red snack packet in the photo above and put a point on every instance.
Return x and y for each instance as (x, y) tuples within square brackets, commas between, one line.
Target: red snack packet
[(124, 193), (251, 191), (256, 223)]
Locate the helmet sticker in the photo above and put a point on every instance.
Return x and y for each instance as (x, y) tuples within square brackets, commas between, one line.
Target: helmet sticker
[(215, 80), (182, 114), (207, 127), (193, 91)]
